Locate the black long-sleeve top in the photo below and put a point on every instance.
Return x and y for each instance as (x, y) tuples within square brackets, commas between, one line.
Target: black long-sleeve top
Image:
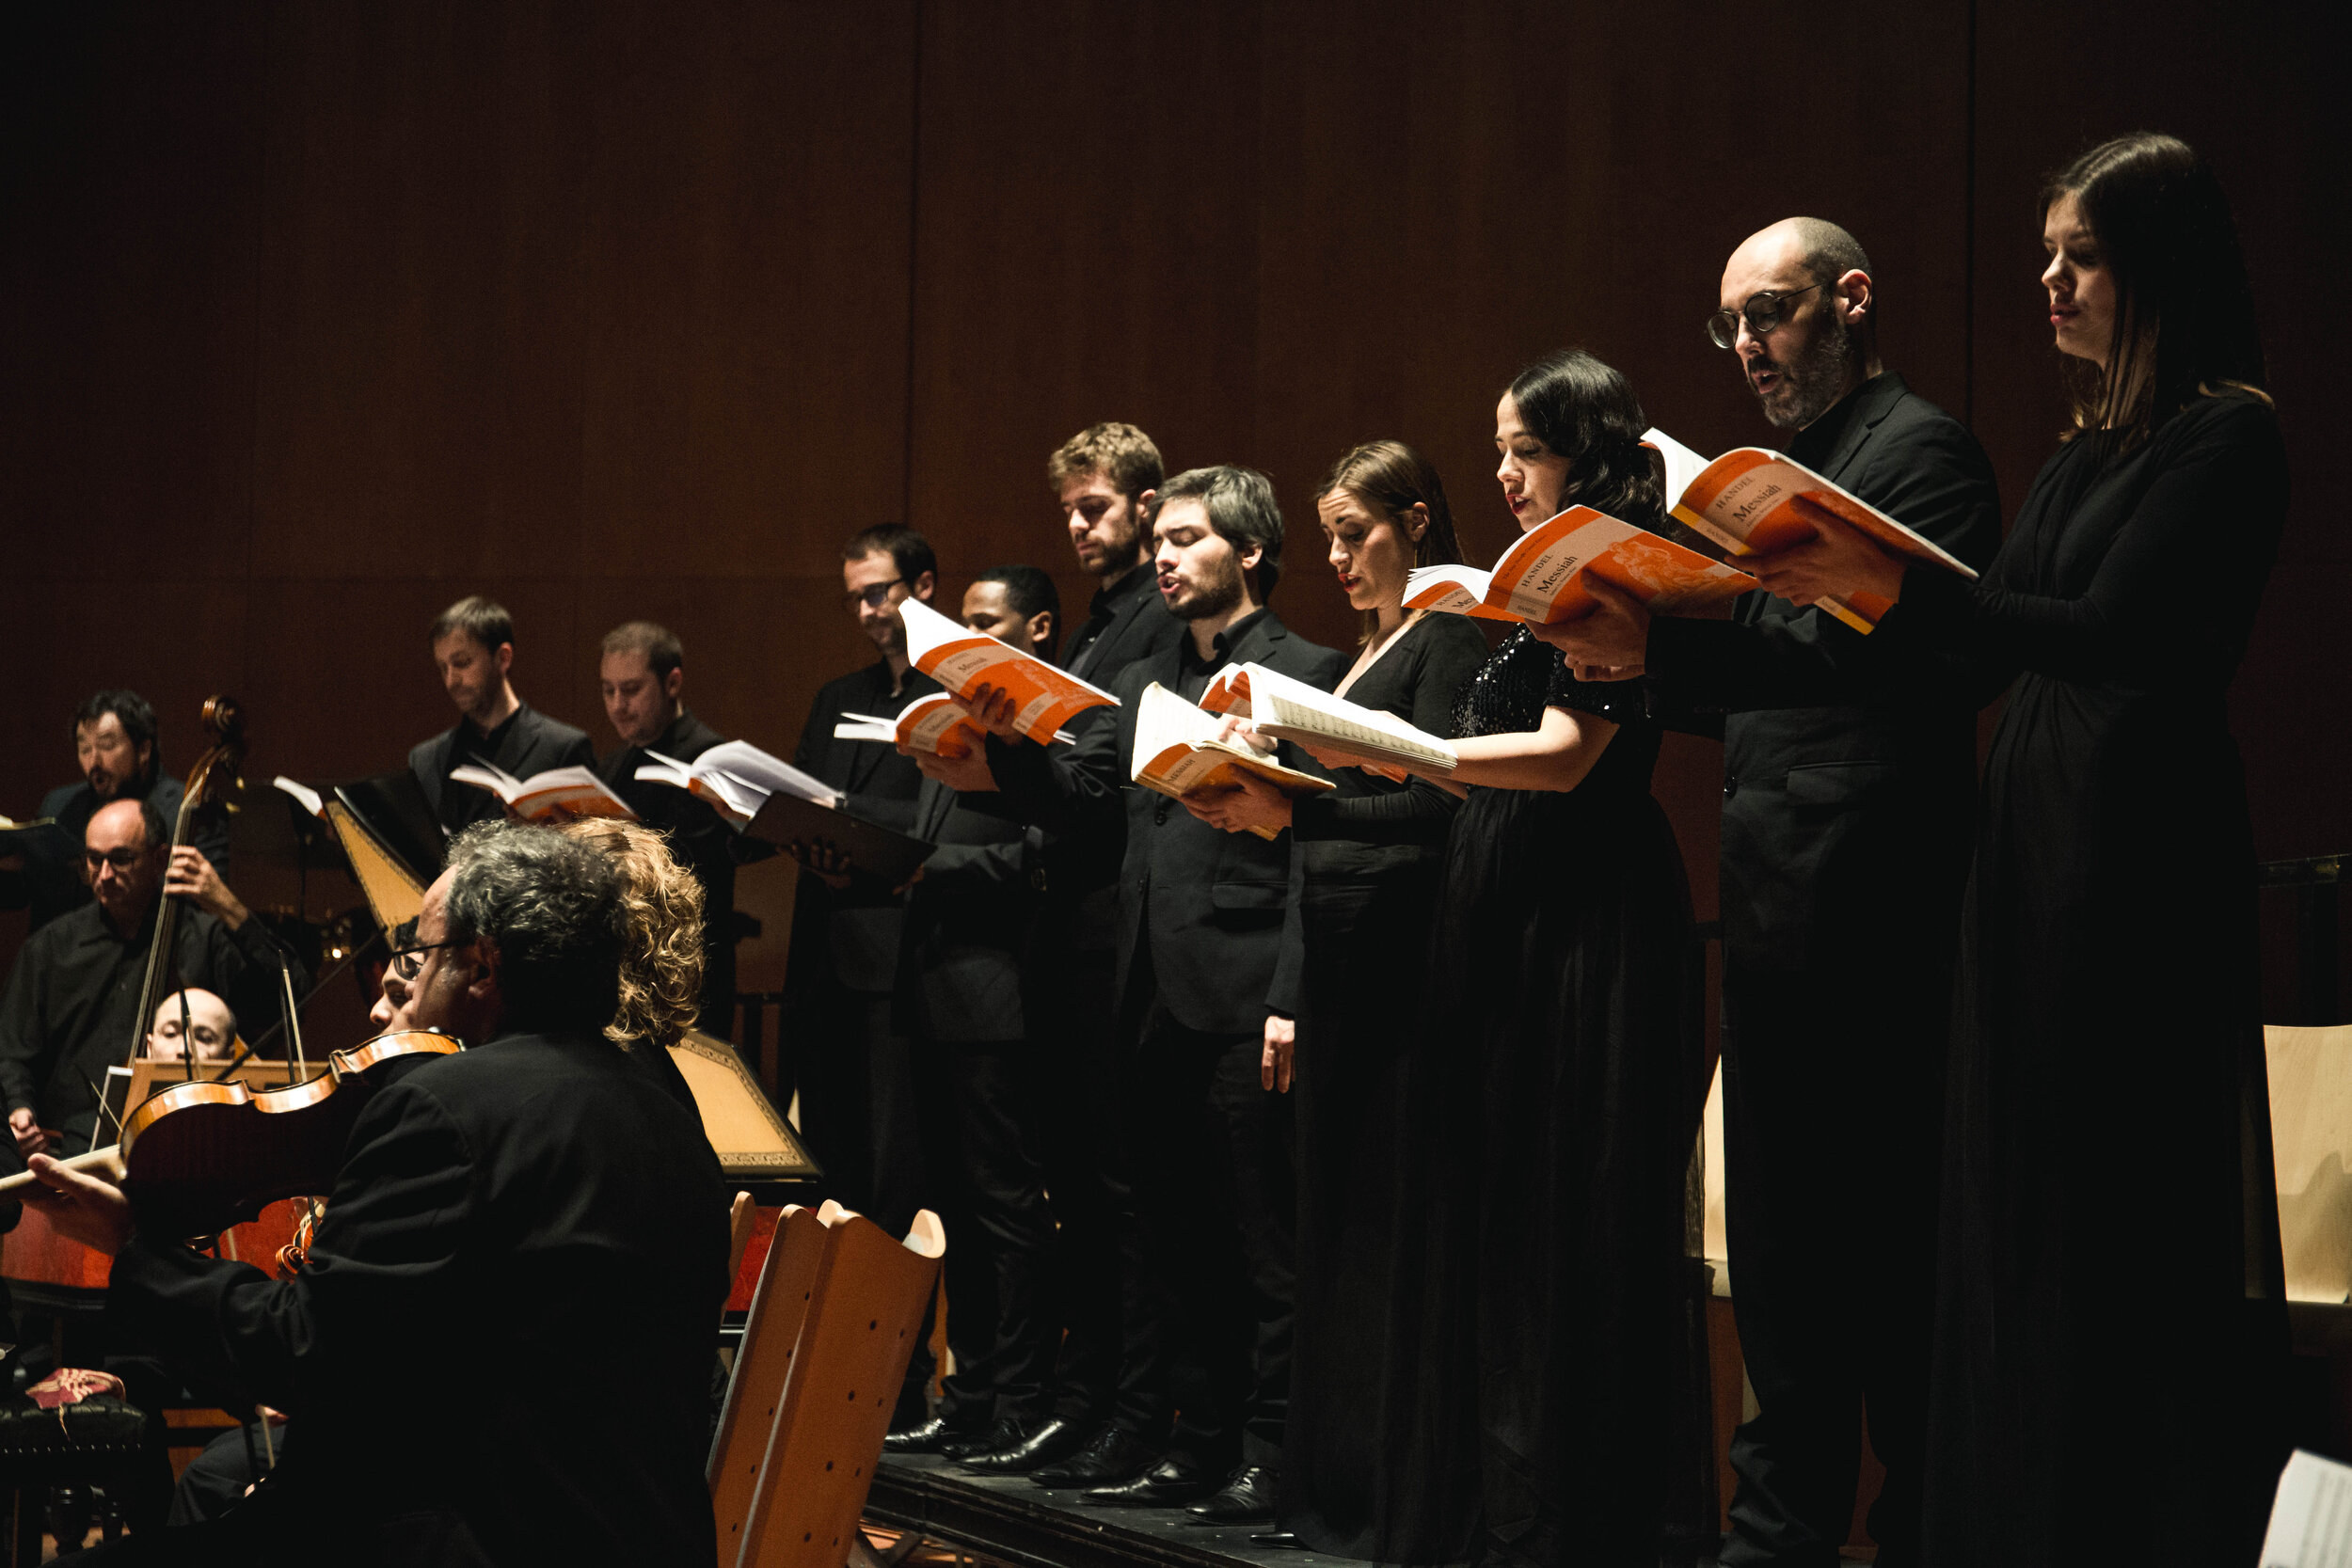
[(72, 1001)]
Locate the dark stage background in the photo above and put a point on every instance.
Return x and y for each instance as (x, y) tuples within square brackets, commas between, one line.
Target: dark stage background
[(318, 316)]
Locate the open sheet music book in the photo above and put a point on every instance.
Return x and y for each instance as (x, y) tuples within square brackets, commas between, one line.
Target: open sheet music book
[(557, 792), (1750, 501), (2310, 1522), (964, 660), (736, 777), (1177, 751), (303, 795), (1290, 709), (936, 724), (1541, 578)]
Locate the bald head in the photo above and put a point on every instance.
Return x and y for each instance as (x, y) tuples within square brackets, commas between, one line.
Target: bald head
[(1823, 338), (209, 1021), (123, 853)]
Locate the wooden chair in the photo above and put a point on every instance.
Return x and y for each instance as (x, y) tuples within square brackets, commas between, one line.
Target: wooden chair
[(2311, 1142), (763, 1365), (863, 1315), (741, 1214)]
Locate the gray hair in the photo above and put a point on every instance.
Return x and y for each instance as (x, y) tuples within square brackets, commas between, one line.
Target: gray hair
[(1241, 507), (552, 905)]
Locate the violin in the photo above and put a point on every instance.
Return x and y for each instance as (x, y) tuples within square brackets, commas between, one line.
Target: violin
[(198, 1158)]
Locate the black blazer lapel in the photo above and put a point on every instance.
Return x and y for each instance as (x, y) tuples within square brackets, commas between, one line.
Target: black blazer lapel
[(1878, 401)]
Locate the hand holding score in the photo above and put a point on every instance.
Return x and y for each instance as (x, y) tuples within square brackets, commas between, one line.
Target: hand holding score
[(1252, 802), (967, 774), (1609, 641), (79, 1205), (1839, 561), (993, 711), (819, 858)]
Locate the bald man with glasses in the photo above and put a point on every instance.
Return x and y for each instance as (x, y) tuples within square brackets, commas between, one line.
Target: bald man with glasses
[(1849, 788)]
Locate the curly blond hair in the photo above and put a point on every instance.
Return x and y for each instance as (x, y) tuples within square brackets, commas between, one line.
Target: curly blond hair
[(662, 945)]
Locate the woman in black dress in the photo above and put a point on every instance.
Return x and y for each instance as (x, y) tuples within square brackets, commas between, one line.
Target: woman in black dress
[(2108, 1137), (1562, 1063), (1368, 855)]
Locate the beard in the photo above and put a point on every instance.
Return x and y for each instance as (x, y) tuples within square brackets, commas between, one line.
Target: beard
[(1214, 597), (1811, 383)]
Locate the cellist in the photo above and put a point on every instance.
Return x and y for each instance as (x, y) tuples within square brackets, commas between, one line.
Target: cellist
[(73, 1000)]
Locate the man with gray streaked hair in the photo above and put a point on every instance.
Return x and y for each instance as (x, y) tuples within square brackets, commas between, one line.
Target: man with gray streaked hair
[(513, 1217)]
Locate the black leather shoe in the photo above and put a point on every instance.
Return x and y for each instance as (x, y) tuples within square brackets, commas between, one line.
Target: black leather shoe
[(1248, 1497), (1164, 1485), (1113, 1454), (932, 1436), (1006, 1429), (1027, 1449)]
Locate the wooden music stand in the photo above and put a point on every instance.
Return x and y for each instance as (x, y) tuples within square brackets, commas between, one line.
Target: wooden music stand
[(754, 1142)]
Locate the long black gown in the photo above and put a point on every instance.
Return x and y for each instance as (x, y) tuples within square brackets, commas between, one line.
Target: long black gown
[(2107, 1133), (1564, 1065), (1370, 853)]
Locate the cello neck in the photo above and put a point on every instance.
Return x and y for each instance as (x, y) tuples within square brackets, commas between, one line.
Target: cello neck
[(161, 953)]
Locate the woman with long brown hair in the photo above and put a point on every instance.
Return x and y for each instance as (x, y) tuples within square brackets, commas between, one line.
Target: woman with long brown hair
[(1368, 856), (2108, 1191)]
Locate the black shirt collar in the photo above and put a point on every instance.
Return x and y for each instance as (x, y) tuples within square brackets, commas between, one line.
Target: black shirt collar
[(1224, 642), (491, 741), (1138, 581)]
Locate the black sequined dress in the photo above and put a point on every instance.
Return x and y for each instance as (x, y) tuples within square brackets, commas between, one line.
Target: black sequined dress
[(1563, 1067)]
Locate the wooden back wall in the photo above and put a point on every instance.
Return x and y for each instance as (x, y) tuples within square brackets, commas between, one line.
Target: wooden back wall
[(318, 317)]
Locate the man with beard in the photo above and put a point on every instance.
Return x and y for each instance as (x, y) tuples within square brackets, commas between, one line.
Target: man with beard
[(473, 650), (120, 758), (1848, 792), (1104, 480), (851, 1062), (1199, 919)]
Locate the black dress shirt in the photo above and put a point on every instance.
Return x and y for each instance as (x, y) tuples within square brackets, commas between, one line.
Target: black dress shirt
[(499, 1345), (72, 1001), (51, 882), (1126, 621), (528, 742)]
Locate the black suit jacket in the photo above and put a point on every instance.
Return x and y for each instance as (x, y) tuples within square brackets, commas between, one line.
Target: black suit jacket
[(1211, 902), (700, 838), (851, 938), (968, 920), (534, 744), (499, 1347), (1127, 623), (1849, 768)]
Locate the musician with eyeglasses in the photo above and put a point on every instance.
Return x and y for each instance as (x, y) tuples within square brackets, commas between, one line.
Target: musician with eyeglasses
[(72, 1004), (1848, 788)]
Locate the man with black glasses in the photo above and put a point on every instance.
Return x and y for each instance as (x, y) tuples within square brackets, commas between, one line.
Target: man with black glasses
[(1848, 794), (852, 1067), (71, 1005)]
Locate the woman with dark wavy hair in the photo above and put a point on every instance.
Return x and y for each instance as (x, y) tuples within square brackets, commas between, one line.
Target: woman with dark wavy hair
[(1562, 1062), (2108, 1188)]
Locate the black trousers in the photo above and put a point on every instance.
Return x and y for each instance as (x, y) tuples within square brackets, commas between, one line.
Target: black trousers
[(1216, 1207), (1832, 1113), (1085, 1060), (983, 1175)]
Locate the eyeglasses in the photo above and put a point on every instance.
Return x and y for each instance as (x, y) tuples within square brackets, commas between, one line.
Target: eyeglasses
[(403, 960), (122, 860), (873, 596), (1763, 311)]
